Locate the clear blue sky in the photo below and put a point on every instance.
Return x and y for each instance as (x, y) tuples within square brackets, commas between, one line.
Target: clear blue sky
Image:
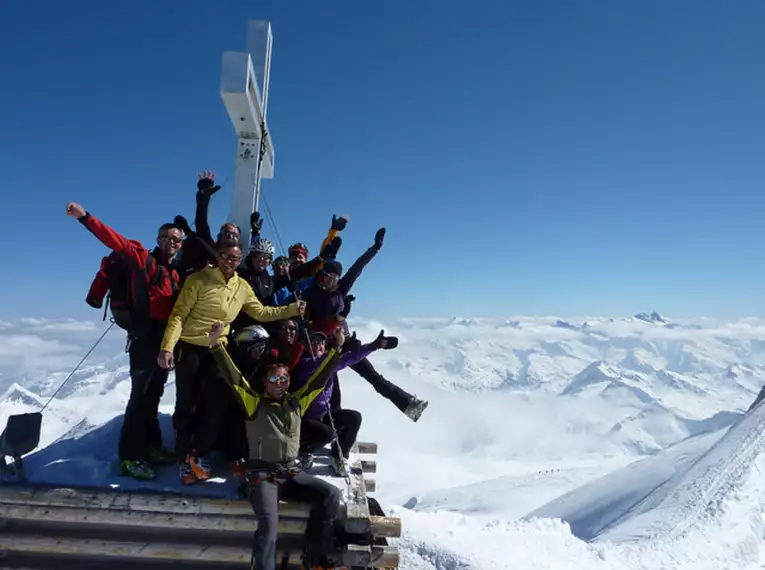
[(554, 157)]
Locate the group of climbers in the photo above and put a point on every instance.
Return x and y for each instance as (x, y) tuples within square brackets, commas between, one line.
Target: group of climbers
[(255, 354)]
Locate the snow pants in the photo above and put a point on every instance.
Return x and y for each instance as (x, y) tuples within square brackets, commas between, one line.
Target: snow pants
[(385, 388), (140, 427), (315, 434), (202, 399), (264, 496)]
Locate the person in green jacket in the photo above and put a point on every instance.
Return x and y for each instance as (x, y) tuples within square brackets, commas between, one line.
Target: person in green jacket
[(272, 424)]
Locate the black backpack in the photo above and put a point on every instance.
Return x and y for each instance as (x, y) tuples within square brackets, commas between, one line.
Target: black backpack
[(123, 283)]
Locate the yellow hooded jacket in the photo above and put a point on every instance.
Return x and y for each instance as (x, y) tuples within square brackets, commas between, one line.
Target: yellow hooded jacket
[(206, 298)]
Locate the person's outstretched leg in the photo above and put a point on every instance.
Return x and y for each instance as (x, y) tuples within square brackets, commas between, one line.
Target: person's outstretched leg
[(404, 401)]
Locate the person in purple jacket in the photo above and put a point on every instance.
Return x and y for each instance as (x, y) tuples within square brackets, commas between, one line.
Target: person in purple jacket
[(316, 429)]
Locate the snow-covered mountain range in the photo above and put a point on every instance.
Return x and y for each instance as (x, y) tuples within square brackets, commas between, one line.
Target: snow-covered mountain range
[(580, 439)]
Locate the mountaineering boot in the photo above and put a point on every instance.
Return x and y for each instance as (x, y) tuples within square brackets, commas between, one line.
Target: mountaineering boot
[(306, 460), (186, 473), (161, 456), (338, 466), (415, 408), (238, 468), (200, 466), (138, 469)]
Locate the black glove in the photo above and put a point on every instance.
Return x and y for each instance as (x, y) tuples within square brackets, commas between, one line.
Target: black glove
[(256, 223), (207, 187), (181, 223), (385, 342), (339, 223), (330, 250), (379, 237)]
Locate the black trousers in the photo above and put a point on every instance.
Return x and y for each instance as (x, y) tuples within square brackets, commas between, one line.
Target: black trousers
[(264, 496), (140, 427), (315, 434), (232, 437), (385, 388), (201, 401)]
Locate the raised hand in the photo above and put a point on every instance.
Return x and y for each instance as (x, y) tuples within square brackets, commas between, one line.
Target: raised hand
[(182, 224), (385, 342), (379, 237), (206, 183), (256, 223), (74, 210), (339, 222)]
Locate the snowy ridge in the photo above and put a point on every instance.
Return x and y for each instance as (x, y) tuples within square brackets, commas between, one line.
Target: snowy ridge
[(696, 492)]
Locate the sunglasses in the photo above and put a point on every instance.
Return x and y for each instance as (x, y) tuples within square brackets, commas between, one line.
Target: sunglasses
[(230, 257), (171, 239), (262, 257), (278, 379)]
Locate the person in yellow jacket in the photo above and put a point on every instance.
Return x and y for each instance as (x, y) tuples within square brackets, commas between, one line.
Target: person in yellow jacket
[(210, 296)]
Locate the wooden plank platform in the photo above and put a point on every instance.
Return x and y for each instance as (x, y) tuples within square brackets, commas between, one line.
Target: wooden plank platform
[(49, 527)]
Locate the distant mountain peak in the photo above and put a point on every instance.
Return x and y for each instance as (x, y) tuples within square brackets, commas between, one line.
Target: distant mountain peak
[(654, 317)]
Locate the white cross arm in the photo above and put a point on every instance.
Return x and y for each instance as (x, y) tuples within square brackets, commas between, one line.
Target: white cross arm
[(244, 103)]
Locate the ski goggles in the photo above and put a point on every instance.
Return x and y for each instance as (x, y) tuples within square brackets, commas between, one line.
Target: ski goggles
[(278, 379)]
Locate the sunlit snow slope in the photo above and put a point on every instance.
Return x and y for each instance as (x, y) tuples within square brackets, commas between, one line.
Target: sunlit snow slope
[(548, 443)]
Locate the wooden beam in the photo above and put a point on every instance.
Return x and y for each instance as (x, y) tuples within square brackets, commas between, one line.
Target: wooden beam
[(123, 518), (357, 509), (124, 549), (367, 447), (370, 485), (363, 556), (30, 515), (102, 499), (371, 556), (368, 466)]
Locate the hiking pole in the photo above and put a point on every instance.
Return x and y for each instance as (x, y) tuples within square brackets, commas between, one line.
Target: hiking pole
[(336, 438), (92, 348)]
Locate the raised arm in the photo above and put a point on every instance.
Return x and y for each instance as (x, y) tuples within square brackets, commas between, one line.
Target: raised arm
[(347, 281), (307, 393), (106, 235), (205, 189), (247, 398)]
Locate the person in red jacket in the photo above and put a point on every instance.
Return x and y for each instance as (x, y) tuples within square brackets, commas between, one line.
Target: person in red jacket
[(140, 445)]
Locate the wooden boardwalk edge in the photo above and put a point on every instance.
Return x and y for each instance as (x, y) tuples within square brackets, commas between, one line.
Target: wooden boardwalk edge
[(80, 526)]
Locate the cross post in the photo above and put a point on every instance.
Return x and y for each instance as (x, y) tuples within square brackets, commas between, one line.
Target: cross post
[(244, 84)]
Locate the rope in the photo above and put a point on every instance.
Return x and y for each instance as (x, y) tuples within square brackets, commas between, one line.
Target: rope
[(92, 348)]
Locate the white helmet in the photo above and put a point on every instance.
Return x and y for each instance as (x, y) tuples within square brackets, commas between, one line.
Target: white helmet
[(250, 334), (261, 245)]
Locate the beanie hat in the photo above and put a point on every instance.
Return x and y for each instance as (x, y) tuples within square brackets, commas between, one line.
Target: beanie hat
[(333, 266), (298, 248)]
